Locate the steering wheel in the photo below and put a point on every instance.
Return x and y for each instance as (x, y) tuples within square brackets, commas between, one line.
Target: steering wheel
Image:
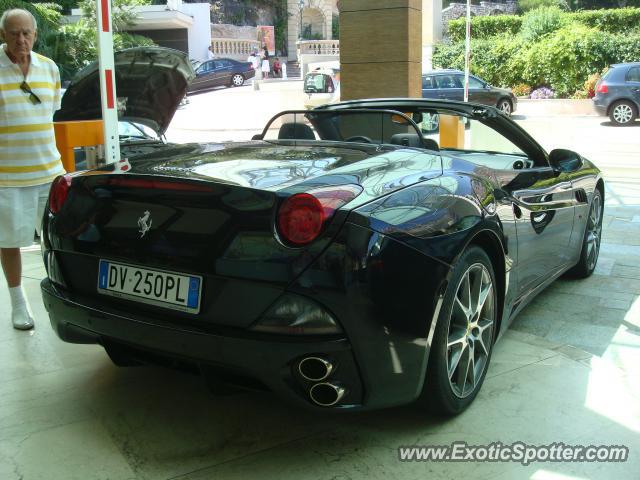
[(359, 138)]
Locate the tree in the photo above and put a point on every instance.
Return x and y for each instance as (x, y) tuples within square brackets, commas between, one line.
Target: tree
[(47, 16), (76, 45)]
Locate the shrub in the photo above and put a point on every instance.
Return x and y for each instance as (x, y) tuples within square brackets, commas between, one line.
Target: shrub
[(484, 27), (580, 95), (542, 93), (563, 59), (521, 90), (541, 22), (527, 5), (590, 84), (617, 20)]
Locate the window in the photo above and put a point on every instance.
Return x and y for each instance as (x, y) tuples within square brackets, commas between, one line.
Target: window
[(223, 63), (427, 82), (475, 83), (205, 67), (448, 81), (633, 75)]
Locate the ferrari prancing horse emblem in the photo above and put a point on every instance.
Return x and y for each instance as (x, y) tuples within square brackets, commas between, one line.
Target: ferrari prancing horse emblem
[(144, 222)]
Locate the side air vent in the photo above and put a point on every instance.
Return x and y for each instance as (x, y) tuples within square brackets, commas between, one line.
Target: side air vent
[(581, 195)]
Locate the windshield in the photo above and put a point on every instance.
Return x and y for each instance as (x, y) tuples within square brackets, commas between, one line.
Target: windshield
[(132, 131), (353, 125)]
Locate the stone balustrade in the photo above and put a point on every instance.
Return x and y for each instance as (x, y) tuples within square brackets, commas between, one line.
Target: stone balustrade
[(318, 47), (238, 49)]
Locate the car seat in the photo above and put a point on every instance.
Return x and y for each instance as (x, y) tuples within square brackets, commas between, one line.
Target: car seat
[(414, 140), (295, 131)]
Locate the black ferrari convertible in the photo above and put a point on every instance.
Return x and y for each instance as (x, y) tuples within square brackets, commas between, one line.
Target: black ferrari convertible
[(348, 257)]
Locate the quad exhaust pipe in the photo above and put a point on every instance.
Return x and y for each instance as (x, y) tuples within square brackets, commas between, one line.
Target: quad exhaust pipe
[(315, 369), (326, 394)]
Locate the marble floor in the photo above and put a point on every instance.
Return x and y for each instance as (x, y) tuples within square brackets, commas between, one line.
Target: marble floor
[(567, 371)]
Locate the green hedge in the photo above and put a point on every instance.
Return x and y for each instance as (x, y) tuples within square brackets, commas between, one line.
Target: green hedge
[(614, 21), (562, 61), (484, 27)]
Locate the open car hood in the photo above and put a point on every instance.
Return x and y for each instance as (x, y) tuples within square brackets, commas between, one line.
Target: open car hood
[(150, 82)]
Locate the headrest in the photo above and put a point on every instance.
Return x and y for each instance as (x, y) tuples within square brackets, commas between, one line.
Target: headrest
[(296, 131)]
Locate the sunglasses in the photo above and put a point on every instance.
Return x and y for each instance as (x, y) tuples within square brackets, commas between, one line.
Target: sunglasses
[(24, 86)]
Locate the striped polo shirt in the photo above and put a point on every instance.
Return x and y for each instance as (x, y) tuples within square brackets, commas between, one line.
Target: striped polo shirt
[(28, 153)]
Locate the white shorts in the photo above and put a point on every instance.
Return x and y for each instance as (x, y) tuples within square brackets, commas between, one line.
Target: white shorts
[(21, 210)]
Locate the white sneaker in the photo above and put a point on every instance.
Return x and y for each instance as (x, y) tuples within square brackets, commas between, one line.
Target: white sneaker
[(22, 319)]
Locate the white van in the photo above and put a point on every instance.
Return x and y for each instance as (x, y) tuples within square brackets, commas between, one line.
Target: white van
[(321, 86)]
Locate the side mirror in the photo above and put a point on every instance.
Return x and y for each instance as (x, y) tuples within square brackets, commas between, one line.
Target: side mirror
[(257, 136), (565, 160)]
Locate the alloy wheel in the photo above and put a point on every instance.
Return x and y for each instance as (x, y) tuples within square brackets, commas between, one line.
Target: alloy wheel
[(505, 107), (594, 232), (469, 340), (237, 80), (622, 113)]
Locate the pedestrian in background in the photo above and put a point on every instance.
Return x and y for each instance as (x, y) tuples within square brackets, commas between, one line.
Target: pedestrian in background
[(277, 67), (29, 160), (210, 55), (266, 68), (254, 60)]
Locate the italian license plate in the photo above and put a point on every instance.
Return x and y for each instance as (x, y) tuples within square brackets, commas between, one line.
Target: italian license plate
[(156, 287)]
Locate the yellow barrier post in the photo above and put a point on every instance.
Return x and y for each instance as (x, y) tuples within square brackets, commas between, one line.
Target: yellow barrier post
[(451, 131), (70, 135)]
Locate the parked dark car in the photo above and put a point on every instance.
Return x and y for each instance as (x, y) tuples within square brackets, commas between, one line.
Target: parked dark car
[(221, 72), (150, 82), (618, 93), (449, 85), (340, 259)]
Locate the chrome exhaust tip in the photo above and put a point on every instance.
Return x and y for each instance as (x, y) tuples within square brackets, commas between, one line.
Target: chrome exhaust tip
[(326, 394), (315, 369)]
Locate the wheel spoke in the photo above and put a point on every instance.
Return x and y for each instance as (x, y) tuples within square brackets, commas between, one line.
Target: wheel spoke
[(471, 367), (454, 359), (482, 298), (463, 370), (456, 338), (485, 328)]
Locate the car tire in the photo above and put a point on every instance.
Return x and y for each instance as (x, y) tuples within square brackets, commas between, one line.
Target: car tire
[(623, 112), (464, 336), (591, 240), (505, 106), (237, 80)]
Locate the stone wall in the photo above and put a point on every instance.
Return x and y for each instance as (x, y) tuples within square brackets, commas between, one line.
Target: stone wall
[(457, 10), (221, 30)]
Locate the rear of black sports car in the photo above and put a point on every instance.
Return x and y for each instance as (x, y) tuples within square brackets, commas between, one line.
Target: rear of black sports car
[(273, 283)]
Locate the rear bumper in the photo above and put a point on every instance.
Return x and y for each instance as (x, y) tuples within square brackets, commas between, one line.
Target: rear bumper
[(269, 362), (600, 106)]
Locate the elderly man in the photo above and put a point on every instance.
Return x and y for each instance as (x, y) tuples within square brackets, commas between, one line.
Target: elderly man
[(29, 160)]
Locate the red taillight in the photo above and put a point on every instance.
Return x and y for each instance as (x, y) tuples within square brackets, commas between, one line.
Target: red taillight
[(602, 88), (58, 193), (302, 216)]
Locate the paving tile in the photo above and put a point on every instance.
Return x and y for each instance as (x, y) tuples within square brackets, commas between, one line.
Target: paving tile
[(81, 450)]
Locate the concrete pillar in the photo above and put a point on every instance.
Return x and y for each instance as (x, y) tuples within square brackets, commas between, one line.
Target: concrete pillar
[(380, 48)]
